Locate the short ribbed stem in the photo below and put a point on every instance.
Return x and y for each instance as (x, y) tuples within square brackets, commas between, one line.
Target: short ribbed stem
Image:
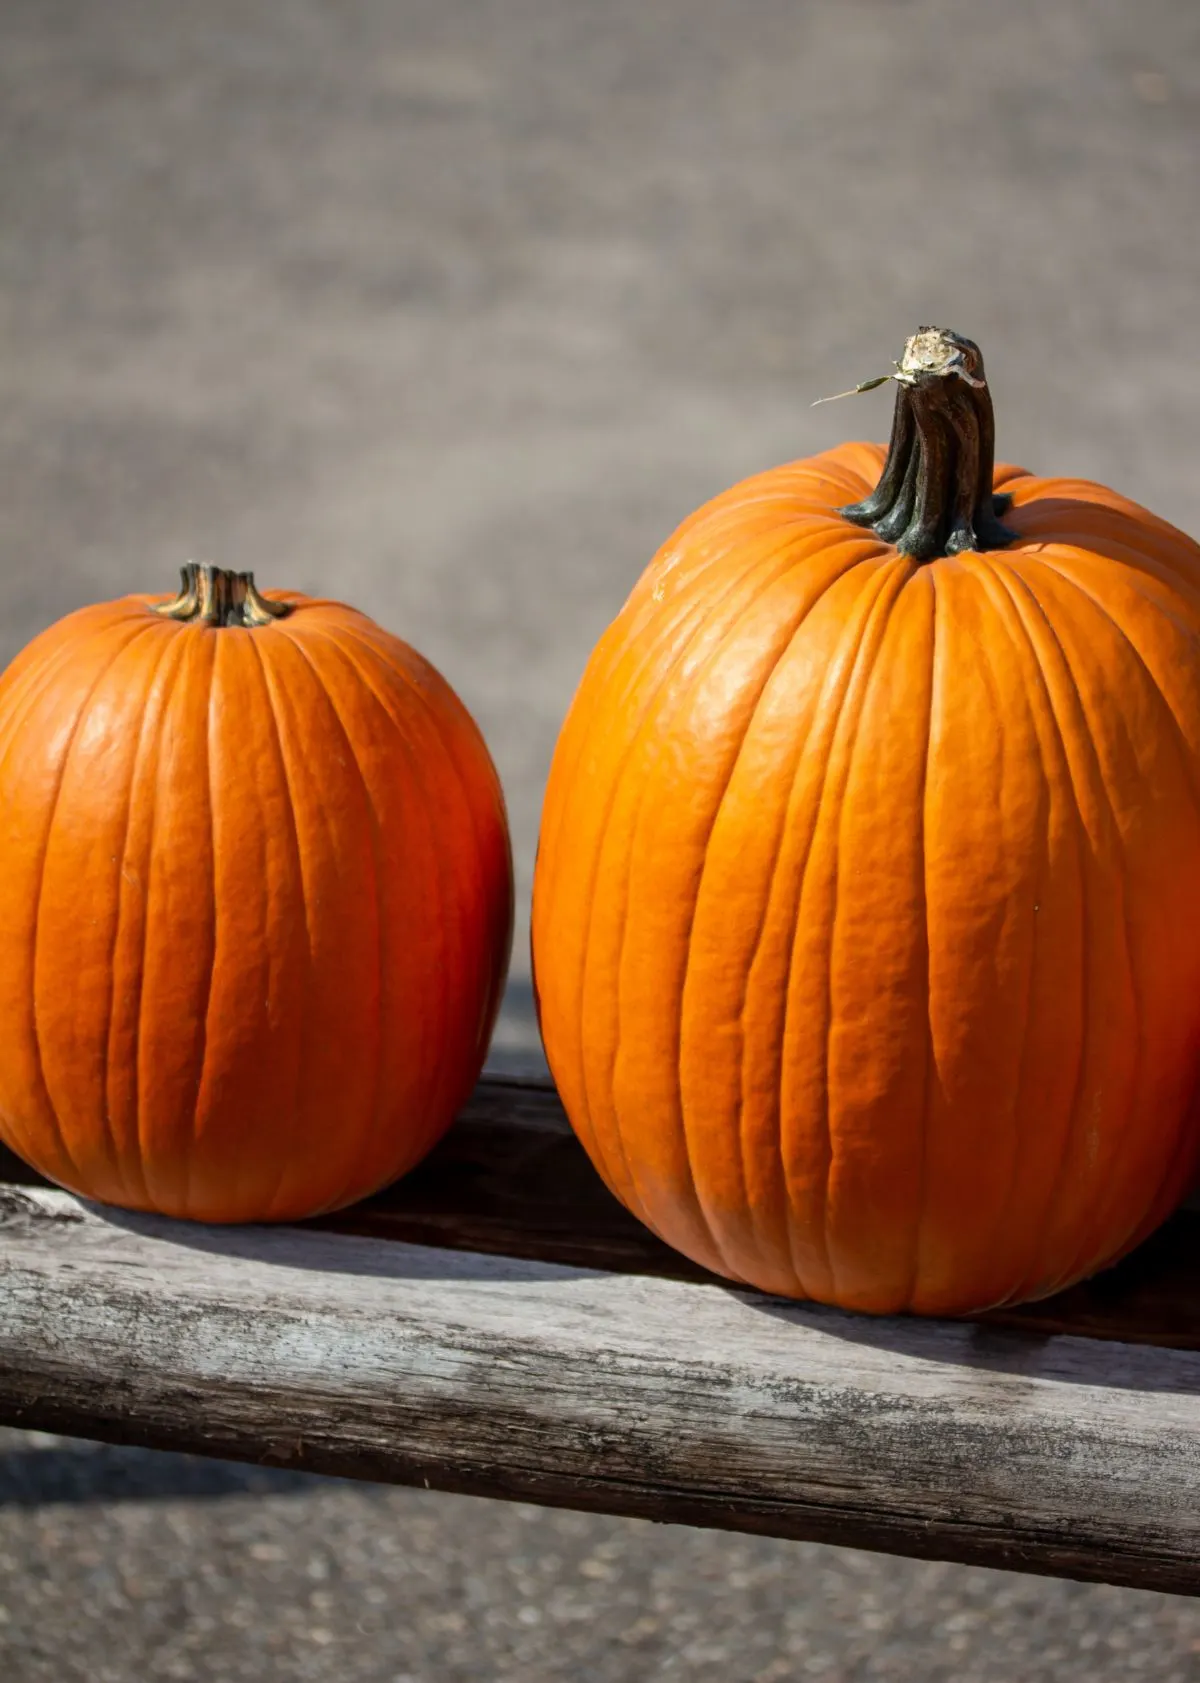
[(216, 596), (935, 494)]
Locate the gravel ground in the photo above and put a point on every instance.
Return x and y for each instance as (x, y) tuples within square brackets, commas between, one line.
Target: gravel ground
[(174, 1569), (454, 308)]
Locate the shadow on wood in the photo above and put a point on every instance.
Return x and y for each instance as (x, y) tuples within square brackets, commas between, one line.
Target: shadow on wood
[(510, 1179)]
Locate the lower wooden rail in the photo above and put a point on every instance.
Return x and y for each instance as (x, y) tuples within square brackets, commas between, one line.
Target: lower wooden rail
[(497, 1325)]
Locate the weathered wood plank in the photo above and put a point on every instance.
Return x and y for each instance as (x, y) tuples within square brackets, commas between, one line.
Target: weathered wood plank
[(666, 1398), (510, 1179)]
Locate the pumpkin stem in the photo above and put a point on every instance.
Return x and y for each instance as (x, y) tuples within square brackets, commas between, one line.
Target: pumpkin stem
[(935, 494), (215, 596)]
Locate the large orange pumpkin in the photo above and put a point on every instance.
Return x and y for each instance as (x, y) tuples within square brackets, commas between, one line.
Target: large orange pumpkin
[(255, 903), (866, 920)]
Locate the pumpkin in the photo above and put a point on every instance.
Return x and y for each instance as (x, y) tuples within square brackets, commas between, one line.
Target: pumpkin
[(866, 920), (255, 903)]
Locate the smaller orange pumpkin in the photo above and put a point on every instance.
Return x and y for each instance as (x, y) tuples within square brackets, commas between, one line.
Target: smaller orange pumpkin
[(255, 903)]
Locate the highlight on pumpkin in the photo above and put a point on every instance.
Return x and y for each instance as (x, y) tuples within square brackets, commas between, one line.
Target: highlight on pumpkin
[(865, 909), (255, 903)]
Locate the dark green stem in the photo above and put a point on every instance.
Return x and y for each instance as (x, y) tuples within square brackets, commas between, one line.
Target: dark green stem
[(934, 496)]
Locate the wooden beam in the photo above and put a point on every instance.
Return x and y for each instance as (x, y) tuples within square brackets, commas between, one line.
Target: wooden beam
[(511, 1179), (672, 1399)]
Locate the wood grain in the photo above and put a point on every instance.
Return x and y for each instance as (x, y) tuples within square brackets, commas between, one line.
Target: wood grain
[(510, 1179), (631, 1394)]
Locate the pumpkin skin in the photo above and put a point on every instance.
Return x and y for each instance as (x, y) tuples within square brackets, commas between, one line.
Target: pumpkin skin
[(255, 908), (866, 922)]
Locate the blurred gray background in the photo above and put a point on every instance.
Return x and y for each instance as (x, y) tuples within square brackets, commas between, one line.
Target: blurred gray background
[(453, 309)]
